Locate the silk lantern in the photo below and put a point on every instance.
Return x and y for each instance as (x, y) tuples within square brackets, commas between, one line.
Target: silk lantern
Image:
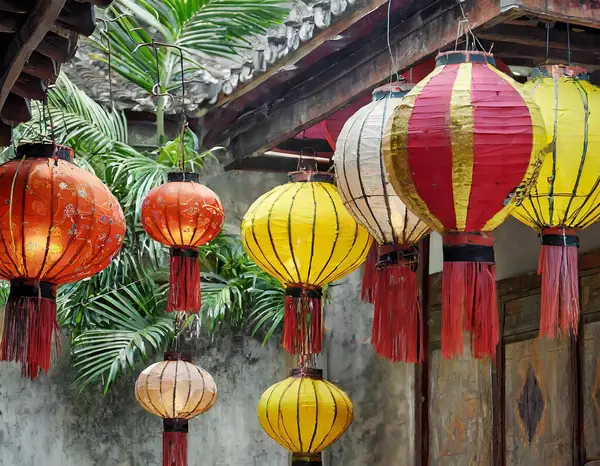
[(301, 234), (390, 281), (183, 214), (176, 390), (565, 197), (58, 224), (305, 414), (461, 150)]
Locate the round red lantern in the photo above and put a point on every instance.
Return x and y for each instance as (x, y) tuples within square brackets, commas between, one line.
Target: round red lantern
[(462, 149), (58, 224), (183, 214)]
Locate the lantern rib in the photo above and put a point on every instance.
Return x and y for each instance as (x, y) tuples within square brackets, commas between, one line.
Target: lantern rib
[(154, 408), (585, 101), (189, 395), (359, 173), (298, 413), (10, 258), (313, 232), (49, 234), (319, 447), (289, 232), (316, 416), (382, 174), (160, 389), (166, 217), (265, 261), (271, 235), (347, 183), (318, 280), (203, 390), (181, 242), (292, 444), (278, 438), (193, 241), (175, 389), (349, 410), (23, 250), (554, 137)]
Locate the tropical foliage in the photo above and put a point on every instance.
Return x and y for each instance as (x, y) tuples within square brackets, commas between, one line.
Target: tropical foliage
[(196, 30), (117, 317)]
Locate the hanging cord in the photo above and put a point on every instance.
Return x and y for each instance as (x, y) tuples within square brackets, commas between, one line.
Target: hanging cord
[(569, 44), (464, 28), (184, 120), (547, 41), (393, 69)]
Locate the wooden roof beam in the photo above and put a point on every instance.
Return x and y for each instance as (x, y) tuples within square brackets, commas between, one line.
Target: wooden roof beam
[(16, 6), (583, 12), (421, 35), (40, 19)]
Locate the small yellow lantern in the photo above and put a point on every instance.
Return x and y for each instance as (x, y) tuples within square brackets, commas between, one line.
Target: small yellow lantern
[(305, 414), (176, 390), (565, 198), (301, 234)]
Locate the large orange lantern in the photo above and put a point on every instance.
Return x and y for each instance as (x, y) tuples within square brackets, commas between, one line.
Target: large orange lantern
[(461, 150), (183, 214), (58, 224)]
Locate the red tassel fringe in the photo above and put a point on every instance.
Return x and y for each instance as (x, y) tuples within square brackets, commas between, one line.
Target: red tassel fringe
[(369, 280), (560, 291), (398, 325), (175, 448), (302, 325), (29, 326), (184, 291), (469, 304)]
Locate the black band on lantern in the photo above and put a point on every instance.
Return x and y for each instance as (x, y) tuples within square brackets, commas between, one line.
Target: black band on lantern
[(178, 356), (397, 257), (299, 459), (183, 176), (469, 253), (308, 176), (45, 150), (183, 252), (310, 372), (175, 425), (456, 57), (296, 292), (560, 240), (31, 289)]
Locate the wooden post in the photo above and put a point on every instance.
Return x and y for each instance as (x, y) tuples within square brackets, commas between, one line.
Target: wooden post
[(422, 370), (499, 399)]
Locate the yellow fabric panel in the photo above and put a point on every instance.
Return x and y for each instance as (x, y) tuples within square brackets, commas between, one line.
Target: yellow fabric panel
[(301, 234), (304, 415), (539, 153), (567, 192), (395, 155), (461, 134)]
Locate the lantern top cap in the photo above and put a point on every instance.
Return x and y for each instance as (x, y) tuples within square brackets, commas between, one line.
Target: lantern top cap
[(183, 176), (178, 356), (456, 57), (309, 372), (45, 150), (560, 71), (394, 90), (310, 176)]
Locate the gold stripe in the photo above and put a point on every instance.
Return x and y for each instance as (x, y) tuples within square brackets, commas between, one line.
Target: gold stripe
[(396, 155), (539, 150), (461, 136)]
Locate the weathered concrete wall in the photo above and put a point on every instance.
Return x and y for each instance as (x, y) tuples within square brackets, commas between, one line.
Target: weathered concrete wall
[(47, 423)]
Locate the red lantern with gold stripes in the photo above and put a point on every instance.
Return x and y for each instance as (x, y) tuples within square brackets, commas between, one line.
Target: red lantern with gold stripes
[(462, 149)]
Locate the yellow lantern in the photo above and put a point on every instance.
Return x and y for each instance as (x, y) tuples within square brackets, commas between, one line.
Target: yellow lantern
[(566, 196), (301, 234), (176, 390), (305, 414)]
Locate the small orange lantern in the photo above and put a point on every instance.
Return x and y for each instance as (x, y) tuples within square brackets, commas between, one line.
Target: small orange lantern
[(58, 224), (183, 214)]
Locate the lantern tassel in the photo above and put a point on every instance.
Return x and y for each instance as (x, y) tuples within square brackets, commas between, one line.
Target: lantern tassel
[(469, 296), (175, 442), (302, 321), (29, 326), (397, 332), (184, 290), (560, 289), (369, 280)]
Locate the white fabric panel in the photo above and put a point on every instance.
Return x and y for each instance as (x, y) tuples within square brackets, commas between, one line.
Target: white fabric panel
[(362, 180)]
